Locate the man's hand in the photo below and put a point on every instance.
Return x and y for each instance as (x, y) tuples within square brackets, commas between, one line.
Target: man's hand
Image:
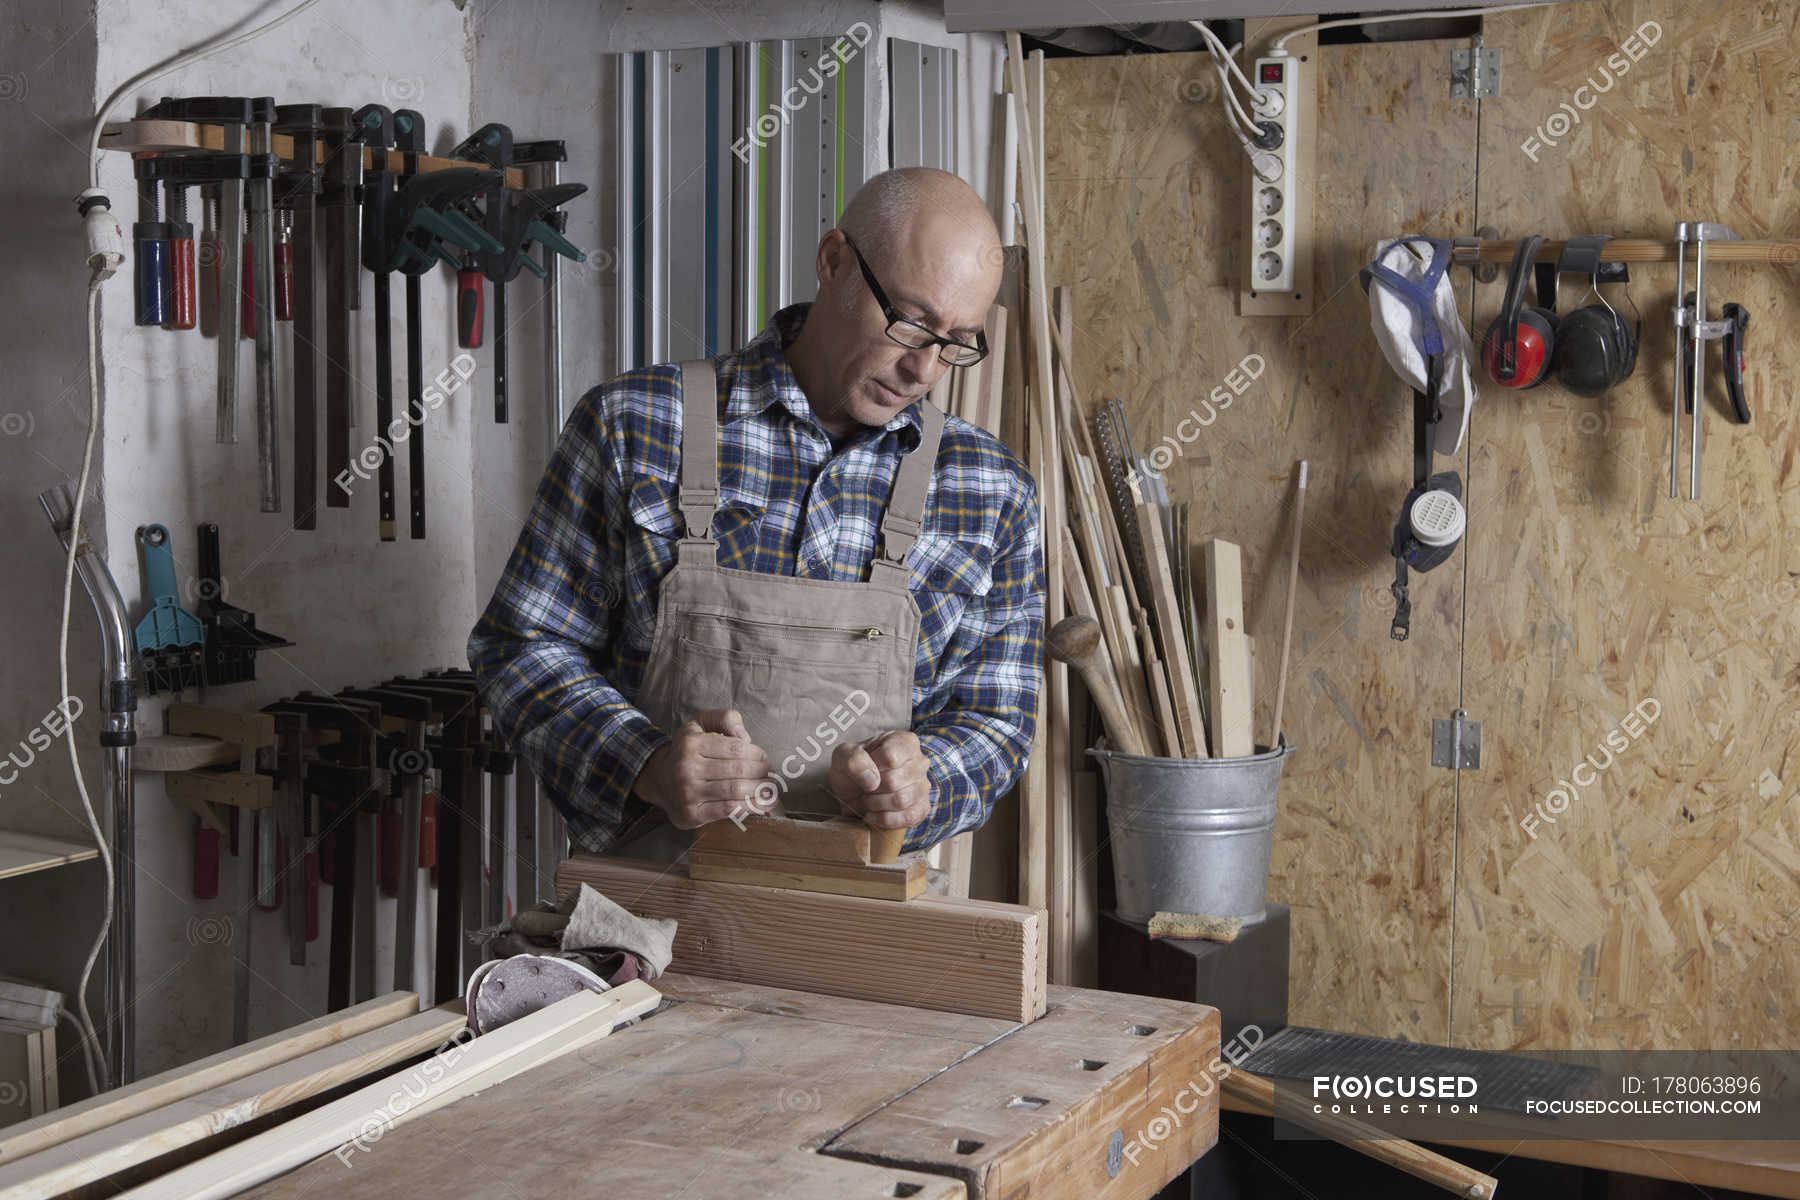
[(707, 772), (884, 780)]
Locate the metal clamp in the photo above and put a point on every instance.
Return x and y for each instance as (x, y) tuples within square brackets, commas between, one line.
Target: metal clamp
[(1699, 331)]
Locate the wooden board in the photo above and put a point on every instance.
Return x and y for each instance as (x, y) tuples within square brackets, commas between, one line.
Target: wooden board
[(1227, 652), (170, 1127), (351, 1125), (176, 752), (245, 789), (969, 956), (229, 725), (1167, 612), (732, 1093), (23, 853), (1660, 908), (885, 881), (108, 1108), (1038, 1113), (833, 840), (1144, 188)]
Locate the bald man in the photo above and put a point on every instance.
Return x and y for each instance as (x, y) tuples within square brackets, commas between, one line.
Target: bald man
[(783, 580)]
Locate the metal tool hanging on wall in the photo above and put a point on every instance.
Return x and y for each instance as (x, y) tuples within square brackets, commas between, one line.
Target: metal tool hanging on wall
[(1692, 332)]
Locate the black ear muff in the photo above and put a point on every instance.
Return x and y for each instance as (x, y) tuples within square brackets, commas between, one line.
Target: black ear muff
[(1596, 349), (1518, 346)]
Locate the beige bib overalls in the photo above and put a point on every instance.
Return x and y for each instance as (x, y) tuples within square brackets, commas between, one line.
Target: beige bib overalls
[(809, 663)]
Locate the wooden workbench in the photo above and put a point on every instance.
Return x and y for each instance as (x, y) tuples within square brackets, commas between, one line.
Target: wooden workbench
[(743, 1091)]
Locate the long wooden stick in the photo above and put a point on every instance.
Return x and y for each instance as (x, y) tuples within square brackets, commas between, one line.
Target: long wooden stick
[(352, 1123), (1256, 1094), (1287, 631)]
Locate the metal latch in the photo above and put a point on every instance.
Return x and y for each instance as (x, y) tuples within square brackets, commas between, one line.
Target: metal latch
[(1456, 742), (1475, 73)]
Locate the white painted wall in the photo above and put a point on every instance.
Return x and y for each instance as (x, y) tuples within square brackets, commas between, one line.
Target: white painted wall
[(360, 610)]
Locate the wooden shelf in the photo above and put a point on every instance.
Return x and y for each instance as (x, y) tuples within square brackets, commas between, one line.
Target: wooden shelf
[(23, 853)]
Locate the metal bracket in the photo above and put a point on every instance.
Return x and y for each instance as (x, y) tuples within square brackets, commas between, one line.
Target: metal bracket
[(1456, 742), (1475, 73)]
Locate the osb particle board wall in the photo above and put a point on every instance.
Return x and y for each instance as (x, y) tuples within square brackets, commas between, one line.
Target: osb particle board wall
[(1661, 907)]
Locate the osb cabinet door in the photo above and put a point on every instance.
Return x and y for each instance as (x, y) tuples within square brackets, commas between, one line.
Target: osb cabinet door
[(1628, 865), (1143, 188)]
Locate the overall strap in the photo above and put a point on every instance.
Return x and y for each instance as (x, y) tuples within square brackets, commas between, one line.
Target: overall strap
[(699, 495), (905, 514)]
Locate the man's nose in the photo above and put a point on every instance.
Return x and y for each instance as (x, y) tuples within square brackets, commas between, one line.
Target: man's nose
[(922, 366)]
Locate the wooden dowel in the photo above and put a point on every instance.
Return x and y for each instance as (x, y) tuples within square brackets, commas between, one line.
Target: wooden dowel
[(1257, 1094), (1646, 250), (1287, 631)]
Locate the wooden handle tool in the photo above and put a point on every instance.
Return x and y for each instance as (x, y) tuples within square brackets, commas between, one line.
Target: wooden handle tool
[(1256, 1093), (1076, 641)]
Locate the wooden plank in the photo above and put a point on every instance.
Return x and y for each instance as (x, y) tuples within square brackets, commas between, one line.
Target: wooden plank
[(724, 1096), (106, 1151), (1226, 652), (350, 1124), (109, 1108), (833, 840), (245, 789), (191, 135), (968, 956), (1037, 1112), (886, 881), (176, 752), (1165, 609), (23, 853), (228, 725)]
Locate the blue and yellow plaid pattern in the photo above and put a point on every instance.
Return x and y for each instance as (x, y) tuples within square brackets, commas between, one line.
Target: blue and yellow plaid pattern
[(561, 649)]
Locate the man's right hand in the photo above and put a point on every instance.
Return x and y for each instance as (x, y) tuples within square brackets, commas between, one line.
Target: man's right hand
[(709, 770)]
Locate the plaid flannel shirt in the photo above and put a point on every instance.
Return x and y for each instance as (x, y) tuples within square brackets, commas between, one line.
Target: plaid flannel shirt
[(561, 649)]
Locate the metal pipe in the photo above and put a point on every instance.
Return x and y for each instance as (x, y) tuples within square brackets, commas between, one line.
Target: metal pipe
[(1681, 237), (553, 365), (1699, 361), (118, 733)]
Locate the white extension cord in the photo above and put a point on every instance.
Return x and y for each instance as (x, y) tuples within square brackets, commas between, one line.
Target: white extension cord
[(105, 254)]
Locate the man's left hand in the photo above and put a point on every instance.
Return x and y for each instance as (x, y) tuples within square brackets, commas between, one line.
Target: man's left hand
[(884, 780)]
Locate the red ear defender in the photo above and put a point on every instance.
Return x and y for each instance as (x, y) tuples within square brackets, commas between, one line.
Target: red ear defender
[(1519, 344)]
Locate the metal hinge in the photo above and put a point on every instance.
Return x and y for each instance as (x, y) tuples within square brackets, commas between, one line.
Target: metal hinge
[(1456, 742), (1475, 73)]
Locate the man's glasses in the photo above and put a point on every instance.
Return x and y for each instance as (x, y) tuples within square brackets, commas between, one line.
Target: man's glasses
[(913, 335)]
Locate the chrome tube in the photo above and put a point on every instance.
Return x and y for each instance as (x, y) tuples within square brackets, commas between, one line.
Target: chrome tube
[(118, 733)]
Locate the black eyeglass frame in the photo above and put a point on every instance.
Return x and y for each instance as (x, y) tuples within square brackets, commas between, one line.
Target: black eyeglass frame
[(980, 348)]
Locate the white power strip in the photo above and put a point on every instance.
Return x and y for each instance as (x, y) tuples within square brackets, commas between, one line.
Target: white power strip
[(1274, 178)]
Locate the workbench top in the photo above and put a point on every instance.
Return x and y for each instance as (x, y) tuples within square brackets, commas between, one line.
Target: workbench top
[(744, 1091)]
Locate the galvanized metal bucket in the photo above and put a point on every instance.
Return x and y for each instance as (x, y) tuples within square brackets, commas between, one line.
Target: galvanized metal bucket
[(1192, 835)]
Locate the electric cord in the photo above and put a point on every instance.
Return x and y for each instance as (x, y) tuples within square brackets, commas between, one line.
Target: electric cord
[(103, 265), (175, 64), (90, 1038), (1420, 15)]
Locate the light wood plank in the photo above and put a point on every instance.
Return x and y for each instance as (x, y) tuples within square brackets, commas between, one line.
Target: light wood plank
[(887, 881), (107, 1151), (1226, 651), (1185, 699), (23, 853), (967, 956), (109, 1108), (176, 752), (228, 725), (354, 1123), (834, 840)]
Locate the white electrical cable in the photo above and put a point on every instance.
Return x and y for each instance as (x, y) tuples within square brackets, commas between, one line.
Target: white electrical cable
[(90, 1039), (1222, 62), (175, 64), (1420, 15)]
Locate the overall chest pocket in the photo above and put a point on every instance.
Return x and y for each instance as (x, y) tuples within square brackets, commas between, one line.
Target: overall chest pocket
[(657, 523)]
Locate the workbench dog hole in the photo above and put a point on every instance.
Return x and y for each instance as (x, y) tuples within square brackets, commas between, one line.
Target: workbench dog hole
[(905, 1189), (967, 1145), (1142, 1030), (1032, 1102), (1089, 1064)]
